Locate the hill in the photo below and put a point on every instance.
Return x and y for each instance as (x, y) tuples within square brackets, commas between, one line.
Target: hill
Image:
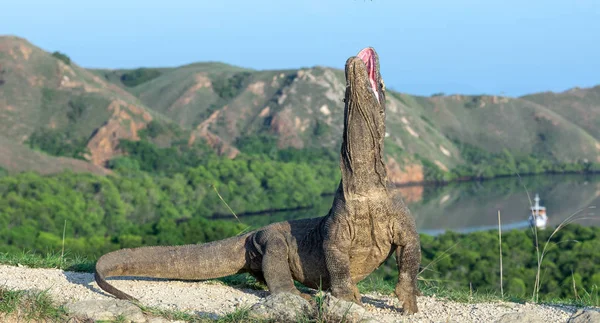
[(522, 127), (88, 112), (49, 102), (580, 106), (302, 108)]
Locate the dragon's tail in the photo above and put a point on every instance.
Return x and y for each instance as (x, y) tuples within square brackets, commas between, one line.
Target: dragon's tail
[(190, 262)]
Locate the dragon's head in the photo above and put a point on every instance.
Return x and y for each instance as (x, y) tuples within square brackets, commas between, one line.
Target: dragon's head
[(364, 115)]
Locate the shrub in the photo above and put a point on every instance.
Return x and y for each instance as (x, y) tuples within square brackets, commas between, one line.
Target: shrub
[(139, 76), (63, 57)]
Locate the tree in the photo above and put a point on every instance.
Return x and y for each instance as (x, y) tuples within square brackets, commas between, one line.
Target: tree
[(63, 57)]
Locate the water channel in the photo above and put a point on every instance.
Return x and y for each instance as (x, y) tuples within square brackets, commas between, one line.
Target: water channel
[(473, 206)]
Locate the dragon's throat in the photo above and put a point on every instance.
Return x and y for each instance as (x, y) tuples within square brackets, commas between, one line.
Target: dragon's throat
[(363, 174)]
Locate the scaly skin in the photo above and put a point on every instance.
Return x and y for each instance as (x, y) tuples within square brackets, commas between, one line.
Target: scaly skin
[(365, 225)]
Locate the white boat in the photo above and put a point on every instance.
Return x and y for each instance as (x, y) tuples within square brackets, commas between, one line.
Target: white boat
[(538, 215)]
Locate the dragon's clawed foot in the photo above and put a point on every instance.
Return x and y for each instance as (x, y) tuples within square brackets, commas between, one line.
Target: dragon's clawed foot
[(350, 294), (408, 297)]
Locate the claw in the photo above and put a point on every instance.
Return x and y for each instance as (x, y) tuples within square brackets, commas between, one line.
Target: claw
[(408, 298), (352, 295), (410, 306)]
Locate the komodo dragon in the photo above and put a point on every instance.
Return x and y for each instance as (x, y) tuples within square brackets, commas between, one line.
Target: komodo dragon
[(364, 226)]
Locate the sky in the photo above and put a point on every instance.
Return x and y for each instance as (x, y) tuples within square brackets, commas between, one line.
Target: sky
[(502, 47)]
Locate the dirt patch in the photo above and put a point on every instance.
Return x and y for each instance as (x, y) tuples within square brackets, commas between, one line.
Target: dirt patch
[(412, 132), (445, 151), (408, 127), (274, 82), (409, 173), (444, 199), (334, 87), (121, 125), (411, 194), (66, 82), (300, 124), (284, 125), (257, 88), (25, 51), (66, 69), (264, 112), (69, 80), (98, 81), (392, 105), (441, 166), (281, 98), (214, 141), (140, 112)]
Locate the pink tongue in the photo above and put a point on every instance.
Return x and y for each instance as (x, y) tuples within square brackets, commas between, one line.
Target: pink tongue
[(368, 57)]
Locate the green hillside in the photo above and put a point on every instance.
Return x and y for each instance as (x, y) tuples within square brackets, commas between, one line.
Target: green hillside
[(303, 108), (49, 103), (496, 123), (42, 91), (580, 106)]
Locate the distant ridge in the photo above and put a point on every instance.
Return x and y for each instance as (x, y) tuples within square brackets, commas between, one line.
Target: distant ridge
[(220, 104)]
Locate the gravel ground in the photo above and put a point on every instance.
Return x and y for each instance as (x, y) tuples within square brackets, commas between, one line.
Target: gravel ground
[(215, 299)]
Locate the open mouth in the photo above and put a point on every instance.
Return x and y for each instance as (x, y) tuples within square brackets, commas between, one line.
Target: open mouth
[(367, 55)]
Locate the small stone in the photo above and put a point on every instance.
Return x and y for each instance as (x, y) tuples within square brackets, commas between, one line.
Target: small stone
[(340, 310), (281, 307), (522, 317)]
